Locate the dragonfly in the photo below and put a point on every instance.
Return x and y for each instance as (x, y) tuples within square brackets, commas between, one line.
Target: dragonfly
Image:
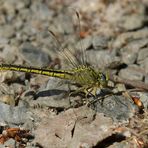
[(86, 77)]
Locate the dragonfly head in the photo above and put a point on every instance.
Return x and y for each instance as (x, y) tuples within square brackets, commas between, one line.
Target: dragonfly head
[(103, 79)]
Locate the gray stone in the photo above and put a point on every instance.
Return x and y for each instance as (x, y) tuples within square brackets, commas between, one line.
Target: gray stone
[(118, 108), (3, 41), (100, 42), (7, 31), (84, 44), (129, 57), (18, 25), (10, 10), (123, 144), (135, 39), (134, 45), (17, 88), (7, 51), (143, 53), (24, 15), (2, 146), (34, 56), (63, 24), (2, 19), (144, 65), (132, 22), (50, 101), (102, 59), (10, 143), (13, 115), (54, 94), (43, 11), (131, 74), (29, 31), (78, 127), (8, 99), (146, 79)]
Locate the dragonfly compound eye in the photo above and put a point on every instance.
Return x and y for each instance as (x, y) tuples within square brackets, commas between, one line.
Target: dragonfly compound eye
[(102, 79)]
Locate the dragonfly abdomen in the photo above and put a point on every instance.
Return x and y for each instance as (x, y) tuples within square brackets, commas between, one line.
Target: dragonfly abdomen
[(48, 72)]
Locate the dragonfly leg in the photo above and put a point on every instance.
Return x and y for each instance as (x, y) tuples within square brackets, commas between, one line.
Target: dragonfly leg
[(99, 98), (69, 94), (81, 89), (75, 92), (89, 91)]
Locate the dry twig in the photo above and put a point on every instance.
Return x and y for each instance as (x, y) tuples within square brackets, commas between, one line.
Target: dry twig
[(132, 83)]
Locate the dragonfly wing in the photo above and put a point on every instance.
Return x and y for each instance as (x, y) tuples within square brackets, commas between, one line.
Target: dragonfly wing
[(67, 36)]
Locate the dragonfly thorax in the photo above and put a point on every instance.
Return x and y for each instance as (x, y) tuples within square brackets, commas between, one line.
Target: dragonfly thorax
[(85, 75)]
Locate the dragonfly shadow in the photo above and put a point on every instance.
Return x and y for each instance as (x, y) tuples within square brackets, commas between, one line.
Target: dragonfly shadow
[(47, 93)]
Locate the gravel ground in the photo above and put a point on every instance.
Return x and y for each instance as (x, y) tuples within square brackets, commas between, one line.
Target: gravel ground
[(112, 36)]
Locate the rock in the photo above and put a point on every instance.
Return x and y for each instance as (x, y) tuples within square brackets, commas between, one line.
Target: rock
[(118, 108), (30, 31), (24, 15), (146, 79), (87, 7), (10, 143), (122, 144), (131, 74), (129, 57), (18, 26), (144, 65), (5, 89), (13, 115), (78, 127), (102, 59), (34, 56), (39, 80), (52, 95), (132, 22), (3, 41), (84, 44), (8, 76), (134, 45), (100, 42), (2, 19), (123, 18), (143, 53), (43, 11), (17, 88), (8, 99), (139, 40), (121, 87), (10, 10), (50, 102), (7, 31), (7, 51)]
